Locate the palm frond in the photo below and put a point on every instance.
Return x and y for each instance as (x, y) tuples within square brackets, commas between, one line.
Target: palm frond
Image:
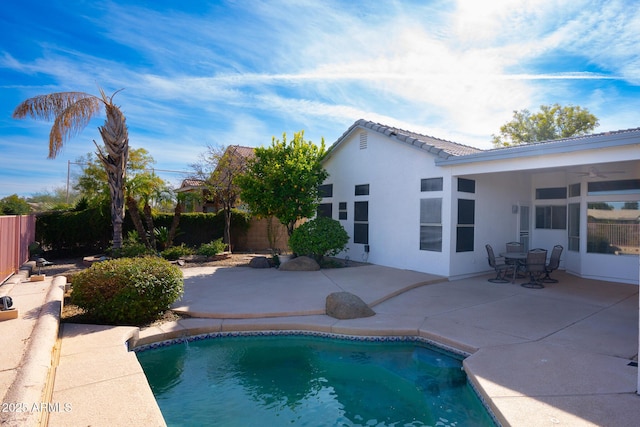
[(70, 111), (48, 107), (71, 121)]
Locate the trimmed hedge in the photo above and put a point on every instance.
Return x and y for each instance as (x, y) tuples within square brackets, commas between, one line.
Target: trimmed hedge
[(90, 229), (128, 291), (319, 237)]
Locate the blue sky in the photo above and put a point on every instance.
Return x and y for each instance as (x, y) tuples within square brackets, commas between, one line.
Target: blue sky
[(199, 73)]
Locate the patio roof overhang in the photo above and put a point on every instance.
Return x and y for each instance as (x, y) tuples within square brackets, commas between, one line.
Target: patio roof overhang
[(590, 149)]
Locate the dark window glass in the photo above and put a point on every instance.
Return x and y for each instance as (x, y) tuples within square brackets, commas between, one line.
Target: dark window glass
[(551, 217), (362, 190), (325, 190), (342, 215), (431, 211), (574, 227), (342, 206), (431, 184), (551, 193), (361, 233), (431, 238), (466, 185), (625, 186), (574, 190), (325, 209), (466, 211), (464, 239), (361, 211)]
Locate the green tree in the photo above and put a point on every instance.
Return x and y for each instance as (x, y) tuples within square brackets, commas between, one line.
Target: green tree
[(71, 112), (551, 122), (282, 180), (14, 205)]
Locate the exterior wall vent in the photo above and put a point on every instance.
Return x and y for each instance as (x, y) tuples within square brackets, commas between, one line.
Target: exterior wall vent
[(363, 140)]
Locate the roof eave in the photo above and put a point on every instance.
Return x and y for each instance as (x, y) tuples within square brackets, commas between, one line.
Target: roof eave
[(599, 141)]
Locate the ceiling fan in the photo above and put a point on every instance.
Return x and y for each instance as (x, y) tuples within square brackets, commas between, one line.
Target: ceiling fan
[(596, 173)]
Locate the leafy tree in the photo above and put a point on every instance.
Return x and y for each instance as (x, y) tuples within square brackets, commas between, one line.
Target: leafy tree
[(219, 167), (14, 205), (71, 112), (282, 180), (551, 122)]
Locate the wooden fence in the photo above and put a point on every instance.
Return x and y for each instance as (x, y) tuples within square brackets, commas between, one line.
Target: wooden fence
[(16, 233)]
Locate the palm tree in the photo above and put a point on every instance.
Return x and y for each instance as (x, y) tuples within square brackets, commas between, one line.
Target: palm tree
[(71, 112)]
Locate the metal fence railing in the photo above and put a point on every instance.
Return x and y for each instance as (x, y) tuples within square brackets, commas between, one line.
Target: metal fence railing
[(624, 236), (16, 233)]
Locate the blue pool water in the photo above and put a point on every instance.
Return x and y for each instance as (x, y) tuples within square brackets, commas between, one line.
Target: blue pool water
[(310, 381)]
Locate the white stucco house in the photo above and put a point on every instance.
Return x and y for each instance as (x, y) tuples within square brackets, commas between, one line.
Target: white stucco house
[(416, 202)]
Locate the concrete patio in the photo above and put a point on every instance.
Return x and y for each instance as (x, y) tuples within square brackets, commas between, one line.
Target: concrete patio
[(561, 355)]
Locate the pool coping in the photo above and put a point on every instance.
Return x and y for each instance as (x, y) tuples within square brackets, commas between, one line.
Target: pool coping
[(91, 357)]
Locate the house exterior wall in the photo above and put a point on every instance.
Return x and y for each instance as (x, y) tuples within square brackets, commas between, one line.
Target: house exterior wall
[(495, 222), (504, 199), (393, 171)]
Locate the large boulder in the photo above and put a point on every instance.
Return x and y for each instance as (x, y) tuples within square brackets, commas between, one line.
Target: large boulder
[(301, 263), (259, 262), (345, 305)]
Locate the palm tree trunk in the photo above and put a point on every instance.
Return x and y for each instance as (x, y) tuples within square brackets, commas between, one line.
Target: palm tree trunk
[(137, 221), (116, 140), (177, 213), (149, 219)]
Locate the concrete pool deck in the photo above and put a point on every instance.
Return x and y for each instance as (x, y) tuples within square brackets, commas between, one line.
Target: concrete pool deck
[(554, 356)]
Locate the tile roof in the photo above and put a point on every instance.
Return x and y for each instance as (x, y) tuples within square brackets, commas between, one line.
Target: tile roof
[(440, 147), (247, 152)]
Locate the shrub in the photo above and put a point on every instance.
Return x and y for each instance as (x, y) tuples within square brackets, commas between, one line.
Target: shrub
[(212, 248), (132, 249), (127, 291), (175, 252), (319, 237)]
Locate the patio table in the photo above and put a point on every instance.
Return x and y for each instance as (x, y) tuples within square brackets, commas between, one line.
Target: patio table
[(520, 259)]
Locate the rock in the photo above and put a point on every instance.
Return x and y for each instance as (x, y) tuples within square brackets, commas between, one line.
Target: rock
[(345, 305), (301, 263), (259, 262)]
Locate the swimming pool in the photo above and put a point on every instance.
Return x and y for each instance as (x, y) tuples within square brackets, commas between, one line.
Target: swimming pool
[(309, 380)]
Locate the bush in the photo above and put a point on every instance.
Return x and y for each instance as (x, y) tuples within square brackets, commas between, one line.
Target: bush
[(212, 248), (127, 291), (318, 238), (175, 252)]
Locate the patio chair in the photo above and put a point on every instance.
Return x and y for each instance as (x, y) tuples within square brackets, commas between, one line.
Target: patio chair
[(553, 264), (499, 266), (536, 266), (516, 247)]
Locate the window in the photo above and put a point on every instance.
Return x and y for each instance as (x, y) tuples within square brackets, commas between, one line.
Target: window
[(466, 185), (325, 190), (342, 210), (431, 225), (613, 227), (574, 227), (574, 190), (625, 186), (361, 222), (362, 190), (431, 184), (325, 209), (551, 193), (465, 228), (551, 217)]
